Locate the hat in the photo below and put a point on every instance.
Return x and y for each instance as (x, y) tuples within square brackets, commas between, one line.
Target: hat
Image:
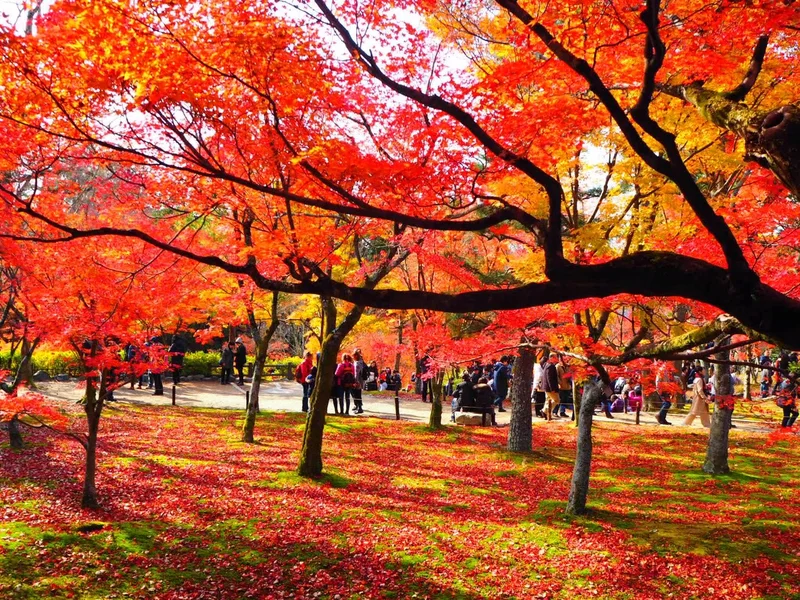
[(239, 340)]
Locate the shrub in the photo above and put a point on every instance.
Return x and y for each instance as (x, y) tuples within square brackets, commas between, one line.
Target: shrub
[(53, 362)]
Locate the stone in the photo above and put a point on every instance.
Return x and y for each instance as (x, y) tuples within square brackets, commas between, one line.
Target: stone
[(62, 377), (41, 376), (469, 419)]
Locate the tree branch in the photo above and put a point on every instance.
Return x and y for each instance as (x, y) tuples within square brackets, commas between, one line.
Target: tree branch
[(740, 92)]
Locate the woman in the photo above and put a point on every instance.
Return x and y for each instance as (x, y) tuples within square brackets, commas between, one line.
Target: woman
[(345, 378), (787, 400), (302, 377), (699, 402)]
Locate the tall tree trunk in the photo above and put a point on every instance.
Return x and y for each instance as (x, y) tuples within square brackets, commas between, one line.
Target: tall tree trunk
[(435, 419), (311, 452), (399, 343), (25, 371), (262, 345), (520, 433), (14, 434), (93, 407), (717, 452), (579, 490)]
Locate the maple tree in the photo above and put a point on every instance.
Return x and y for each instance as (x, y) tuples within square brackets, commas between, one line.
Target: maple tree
[(266, 149)]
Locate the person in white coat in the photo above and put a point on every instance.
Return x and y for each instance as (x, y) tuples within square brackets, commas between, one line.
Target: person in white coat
[(699, 402)]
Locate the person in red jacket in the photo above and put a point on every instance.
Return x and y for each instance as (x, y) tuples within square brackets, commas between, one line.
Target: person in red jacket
[(303, 371), (345, 383)]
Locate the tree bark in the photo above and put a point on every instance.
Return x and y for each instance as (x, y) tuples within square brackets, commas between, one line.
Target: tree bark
[(579, 490), (25, 371), (262, 345), (93, 407), (520, 432), (717, 452), (436, 383), (14, 434), (311, 451), (772, 138)]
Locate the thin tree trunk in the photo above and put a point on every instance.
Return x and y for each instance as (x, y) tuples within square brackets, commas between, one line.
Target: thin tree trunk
[(14, 434), (262, 345), (399, 343), (520, 432), (435, 420), (93, 408), (717, 452), (25, 371), (579, 489)]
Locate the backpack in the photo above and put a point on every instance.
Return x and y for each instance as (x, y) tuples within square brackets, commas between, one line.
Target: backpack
[(298, 375), (349, 379)]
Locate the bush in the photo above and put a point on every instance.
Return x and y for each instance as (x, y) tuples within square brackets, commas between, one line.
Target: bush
[(200, 363), (53, 362)]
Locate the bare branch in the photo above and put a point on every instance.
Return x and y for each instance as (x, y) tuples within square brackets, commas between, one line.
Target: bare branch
[(740, 92)]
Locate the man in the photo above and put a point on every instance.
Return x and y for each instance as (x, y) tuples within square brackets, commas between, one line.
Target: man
[(226, 362), (550, 386), (564, 388), (176, 353), (240, 359), (463, 395), (500, 378), (425, 382), (361, 376), (158, 367)]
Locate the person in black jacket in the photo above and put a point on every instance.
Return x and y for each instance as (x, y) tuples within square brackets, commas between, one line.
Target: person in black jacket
[(240, 358), (463, 395), (484, 396), (176, 353)]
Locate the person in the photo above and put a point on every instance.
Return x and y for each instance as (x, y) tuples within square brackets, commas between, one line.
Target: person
[(635, 399), (425, 381), (240, 359), (372, 377), (787, 400), (157, 369), (538, 391), (500, 377), (564, 388), (699, 402), (550, 386), (302, 375), (361, 378), (666, 404), (177, 350), (395, 381), (345, 383), (463, 395), (131, 357), (485, 396), (226, 362)]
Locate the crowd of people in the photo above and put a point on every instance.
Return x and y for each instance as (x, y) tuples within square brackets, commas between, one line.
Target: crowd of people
[(351, 377), (486, 386)]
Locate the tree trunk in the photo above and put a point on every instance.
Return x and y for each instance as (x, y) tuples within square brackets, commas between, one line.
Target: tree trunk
[(262, 345), (717, 452), (772, 139), (435, 420), (579, 490), (14, 434), (25, 371), (311, 452), (93, 408), (520, 433)]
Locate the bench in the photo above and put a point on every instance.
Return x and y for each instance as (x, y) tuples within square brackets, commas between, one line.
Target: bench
[(478, 410)]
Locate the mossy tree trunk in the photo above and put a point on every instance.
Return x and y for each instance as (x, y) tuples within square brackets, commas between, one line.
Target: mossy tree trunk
[(717, 452), (262, 345), (311, 451), (93, 408), (579, 489), (436, 385), (520, 432), (772, 138)]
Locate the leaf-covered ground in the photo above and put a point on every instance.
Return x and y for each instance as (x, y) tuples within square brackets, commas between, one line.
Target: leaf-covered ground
[(190, 512)]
